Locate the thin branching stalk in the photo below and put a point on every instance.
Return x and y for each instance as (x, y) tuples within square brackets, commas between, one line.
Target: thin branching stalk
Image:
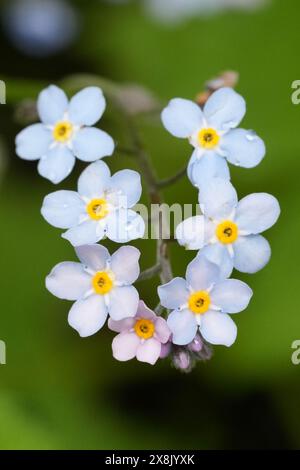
[(150, 272), (155, 196), (173, 179)]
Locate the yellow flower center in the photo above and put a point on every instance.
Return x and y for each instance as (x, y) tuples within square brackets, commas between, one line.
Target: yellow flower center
[(208, 138), (199, 302), (227, 232), (102, 283), (62, 131), (144, 328), (97, 209)]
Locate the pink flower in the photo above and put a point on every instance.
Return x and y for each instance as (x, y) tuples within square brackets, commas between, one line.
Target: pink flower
[(141, 336)]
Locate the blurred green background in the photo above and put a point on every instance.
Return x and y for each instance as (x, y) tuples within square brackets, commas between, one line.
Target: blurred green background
[(58, 391)]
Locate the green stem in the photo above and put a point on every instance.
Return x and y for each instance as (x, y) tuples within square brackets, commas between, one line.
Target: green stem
[(173, 179), (162, 252), (150, 273)]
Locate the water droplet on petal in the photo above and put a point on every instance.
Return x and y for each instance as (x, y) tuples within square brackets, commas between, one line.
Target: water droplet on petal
[(251, 136), (229, 125)]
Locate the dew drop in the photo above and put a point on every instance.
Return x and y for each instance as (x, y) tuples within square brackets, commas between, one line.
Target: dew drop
[(251, 136)]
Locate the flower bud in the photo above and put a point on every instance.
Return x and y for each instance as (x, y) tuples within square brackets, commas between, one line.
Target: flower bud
[(196, 345), (165, 350), (182, 360)]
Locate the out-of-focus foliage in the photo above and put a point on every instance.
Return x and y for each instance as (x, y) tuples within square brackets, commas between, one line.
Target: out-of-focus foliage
[(60, 391)]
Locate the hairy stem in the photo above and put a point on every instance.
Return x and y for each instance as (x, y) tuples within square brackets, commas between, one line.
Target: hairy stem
[(162, 252), (159, 309), (173, 179), (150, 272)]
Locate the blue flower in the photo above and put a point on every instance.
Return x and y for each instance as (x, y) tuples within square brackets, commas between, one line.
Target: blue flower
[(65, 132), (40, 28), (202, 302), (212, 133), (228, 232), (102, 207), (100, 285)]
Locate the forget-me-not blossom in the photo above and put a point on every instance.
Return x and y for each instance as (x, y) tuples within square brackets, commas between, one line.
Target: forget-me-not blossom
[(101, 207), (65, 132), (213, 134)]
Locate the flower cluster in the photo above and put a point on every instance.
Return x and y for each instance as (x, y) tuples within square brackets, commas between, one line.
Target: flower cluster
[(99, 284), (226, 235)]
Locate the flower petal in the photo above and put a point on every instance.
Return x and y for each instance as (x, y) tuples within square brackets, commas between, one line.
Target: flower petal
[(63, 209), (121, 325), (87, 106), (162, 331), (90, 144), (201, 273), (174, 294), (218, 253), (123, 302), (94, 180), (224, 109), (183, 326), (94, 257), (257, 212), (208, 166), (124, 346), (52, 104), (145, 312), (217, 199), (87, 316), (243, 148), (124, 225), (182, 117), (165, 350), (149, 351), (33, 142), (125, 264), (251, 253), (86, 233), (68, 281), (218, 328), (129, 183), (57, 164), (194, 232), (231, 295)]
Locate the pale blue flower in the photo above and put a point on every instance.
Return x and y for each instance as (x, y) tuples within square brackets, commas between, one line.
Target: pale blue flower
[(101, 207), (172, 12), (40, 28), (228, 232), (100, 285), (202, 302), (176, 11), (212, 133), (65, 132)]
